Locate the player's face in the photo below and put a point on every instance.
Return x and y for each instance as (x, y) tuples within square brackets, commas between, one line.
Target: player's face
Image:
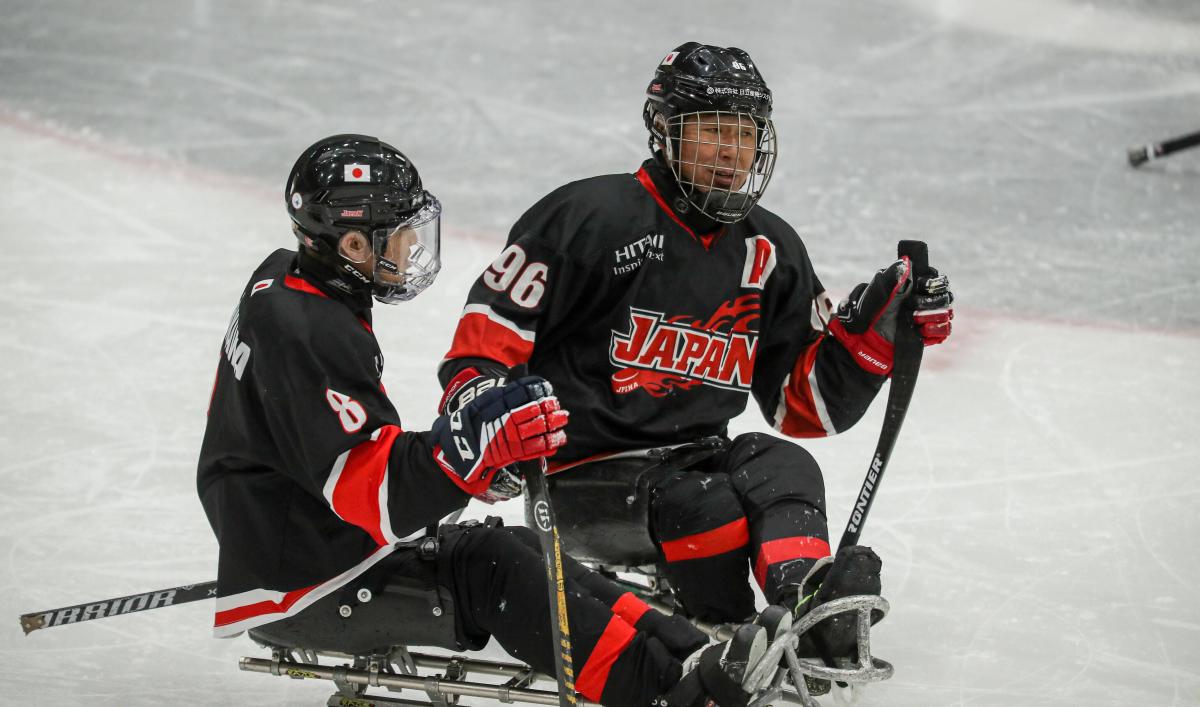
[(716, 150), (398, 250), (401, 260)]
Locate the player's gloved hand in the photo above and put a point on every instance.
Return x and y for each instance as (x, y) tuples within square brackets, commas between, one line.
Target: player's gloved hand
[(933, 307), (516, 422), (469, 384), (506, 484), (865, 322)]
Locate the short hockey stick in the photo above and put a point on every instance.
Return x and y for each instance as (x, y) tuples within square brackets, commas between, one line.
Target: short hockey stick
[(1140, 155), (908, 352), (116, 607), (537, 500)]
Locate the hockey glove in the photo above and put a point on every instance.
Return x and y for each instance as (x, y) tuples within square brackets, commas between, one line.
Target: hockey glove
[(933, 307), (865, 322), (506, 485), (470, 383), (519, 421)]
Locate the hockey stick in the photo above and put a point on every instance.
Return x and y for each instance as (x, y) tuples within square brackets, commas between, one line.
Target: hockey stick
[(909, 349), (116, 607), (1140, 155), (537, 500)]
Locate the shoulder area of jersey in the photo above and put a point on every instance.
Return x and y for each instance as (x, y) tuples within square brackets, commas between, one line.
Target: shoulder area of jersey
[(275, 275), (278, 300), (591, 194), (588, 209), (767, 222)]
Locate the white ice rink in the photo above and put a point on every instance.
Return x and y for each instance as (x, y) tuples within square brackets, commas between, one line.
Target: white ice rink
[(1038, 523)]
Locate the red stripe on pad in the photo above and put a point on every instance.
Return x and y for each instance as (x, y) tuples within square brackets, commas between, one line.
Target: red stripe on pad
[(713, 542), (480, 337), (774, 551), (616, 637), (630, 608)]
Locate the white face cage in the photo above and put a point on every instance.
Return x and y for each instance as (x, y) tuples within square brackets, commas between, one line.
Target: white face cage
[(721, 160)]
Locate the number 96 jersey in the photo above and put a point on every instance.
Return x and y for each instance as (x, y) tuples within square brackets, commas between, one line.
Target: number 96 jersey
[(651, 333)]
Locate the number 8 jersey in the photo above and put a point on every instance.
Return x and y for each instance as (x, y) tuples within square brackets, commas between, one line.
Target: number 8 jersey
[(651, 333), (305, 474)]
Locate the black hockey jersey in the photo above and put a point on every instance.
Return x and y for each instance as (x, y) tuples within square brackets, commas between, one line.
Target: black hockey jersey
[(305, 474), (653, 334)]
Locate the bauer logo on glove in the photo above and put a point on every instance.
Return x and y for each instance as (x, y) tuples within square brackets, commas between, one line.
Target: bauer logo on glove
[(516, 422)]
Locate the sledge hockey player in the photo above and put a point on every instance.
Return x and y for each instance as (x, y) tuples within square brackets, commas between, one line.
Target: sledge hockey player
[(325, 507), (656, 303)]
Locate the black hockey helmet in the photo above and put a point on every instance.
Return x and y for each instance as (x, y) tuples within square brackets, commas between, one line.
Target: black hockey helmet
[(719, 92), (359, 183)]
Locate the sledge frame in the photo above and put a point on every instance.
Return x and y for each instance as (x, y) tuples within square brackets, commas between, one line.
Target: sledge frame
[(445, 681), (399, 669)]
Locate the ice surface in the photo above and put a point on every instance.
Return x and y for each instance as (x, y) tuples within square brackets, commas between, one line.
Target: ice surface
[(1038, 523)]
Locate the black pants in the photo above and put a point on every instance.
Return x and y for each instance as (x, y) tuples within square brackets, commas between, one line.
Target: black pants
[(756, 507), (491, 581)]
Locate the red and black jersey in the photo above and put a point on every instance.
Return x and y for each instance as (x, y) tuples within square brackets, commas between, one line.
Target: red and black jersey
[(654, 334), (305, 473)]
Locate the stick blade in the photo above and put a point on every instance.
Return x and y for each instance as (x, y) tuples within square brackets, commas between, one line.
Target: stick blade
[(32, 622)]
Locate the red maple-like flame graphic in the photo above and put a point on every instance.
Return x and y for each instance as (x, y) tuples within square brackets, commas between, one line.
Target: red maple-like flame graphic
[(655, 383), (747, 305)]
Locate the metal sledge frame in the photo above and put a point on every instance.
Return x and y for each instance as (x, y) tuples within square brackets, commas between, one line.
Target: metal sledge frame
[(397, 670), (866, 669)]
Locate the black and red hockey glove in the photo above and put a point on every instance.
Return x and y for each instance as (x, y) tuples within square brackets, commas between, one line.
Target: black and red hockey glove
[(865, 322), (470, 383), (932, 303), (516, 422)]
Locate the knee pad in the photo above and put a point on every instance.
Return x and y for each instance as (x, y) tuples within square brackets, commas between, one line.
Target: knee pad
[(766, 470), (691, 502), (526, 536)]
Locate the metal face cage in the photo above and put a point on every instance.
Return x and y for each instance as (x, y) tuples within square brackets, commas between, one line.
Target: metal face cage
[(721, 160)]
